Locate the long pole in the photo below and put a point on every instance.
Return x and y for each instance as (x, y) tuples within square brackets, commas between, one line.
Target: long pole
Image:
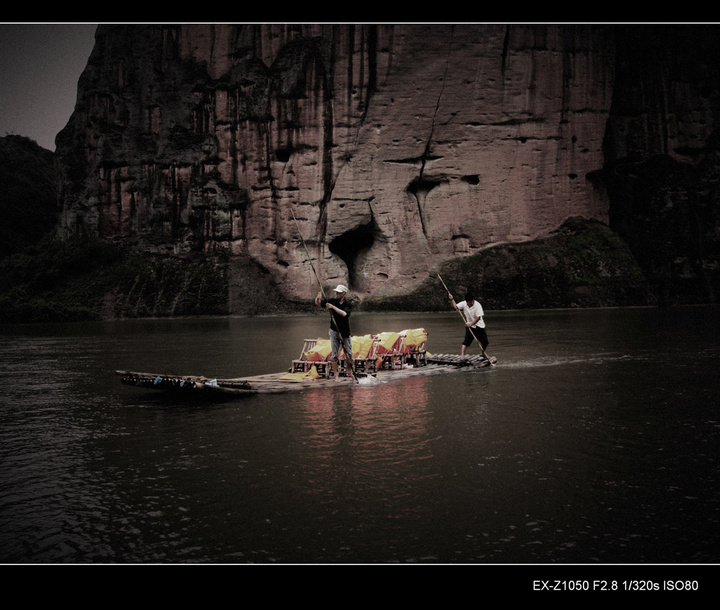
[(307, 252), (465, 321), (348, 360)]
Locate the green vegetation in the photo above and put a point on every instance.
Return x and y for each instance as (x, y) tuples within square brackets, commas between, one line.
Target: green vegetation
[(27, 193), (52, 280), (93, 279), (583, 264)]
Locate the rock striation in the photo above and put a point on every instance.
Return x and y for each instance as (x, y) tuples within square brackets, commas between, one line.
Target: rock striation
[(387, 148)]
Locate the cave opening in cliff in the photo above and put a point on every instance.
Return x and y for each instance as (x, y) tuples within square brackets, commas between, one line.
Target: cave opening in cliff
[(349, 246)]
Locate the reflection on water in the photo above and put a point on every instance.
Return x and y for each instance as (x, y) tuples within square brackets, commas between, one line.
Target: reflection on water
[(595, 439)]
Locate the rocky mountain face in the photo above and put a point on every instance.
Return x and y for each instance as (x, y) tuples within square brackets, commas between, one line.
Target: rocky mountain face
[(373, 154), (662, 156)]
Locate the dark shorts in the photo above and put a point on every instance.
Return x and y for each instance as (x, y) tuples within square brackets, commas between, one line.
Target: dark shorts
[(480, 333)]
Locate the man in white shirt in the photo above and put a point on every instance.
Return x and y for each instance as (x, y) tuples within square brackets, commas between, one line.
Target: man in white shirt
[(473, 313)]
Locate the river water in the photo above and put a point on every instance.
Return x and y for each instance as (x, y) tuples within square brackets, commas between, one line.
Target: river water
[(595, 439)]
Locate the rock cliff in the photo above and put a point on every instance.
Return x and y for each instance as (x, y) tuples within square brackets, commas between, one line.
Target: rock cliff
[(389, 149), (367, 154), (662, 156)]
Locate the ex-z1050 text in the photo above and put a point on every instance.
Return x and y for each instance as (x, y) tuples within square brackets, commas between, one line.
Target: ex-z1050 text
[(615, 585)]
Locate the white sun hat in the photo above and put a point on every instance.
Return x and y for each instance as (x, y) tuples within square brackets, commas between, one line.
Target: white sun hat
[(340, 288)]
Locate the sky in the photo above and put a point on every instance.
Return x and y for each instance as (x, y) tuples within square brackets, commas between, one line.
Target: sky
[(40, 65)]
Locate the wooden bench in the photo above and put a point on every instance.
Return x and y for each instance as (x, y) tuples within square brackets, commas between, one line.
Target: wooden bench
[(393, 358), (368, 363), (414, 348), (303, 365), (417, 356)]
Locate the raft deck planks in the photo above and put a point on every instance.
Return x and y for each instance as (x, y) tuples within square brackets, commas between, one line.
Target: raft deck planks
[(273, 383)]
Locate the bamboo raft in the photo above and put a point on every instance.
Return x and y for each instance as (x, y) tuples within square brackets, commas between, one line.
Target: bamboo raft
[(277, 383)]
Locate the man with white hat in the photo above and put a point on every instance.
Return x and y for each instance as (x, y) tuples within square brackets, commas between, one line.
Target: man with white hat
[(340, 310)]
